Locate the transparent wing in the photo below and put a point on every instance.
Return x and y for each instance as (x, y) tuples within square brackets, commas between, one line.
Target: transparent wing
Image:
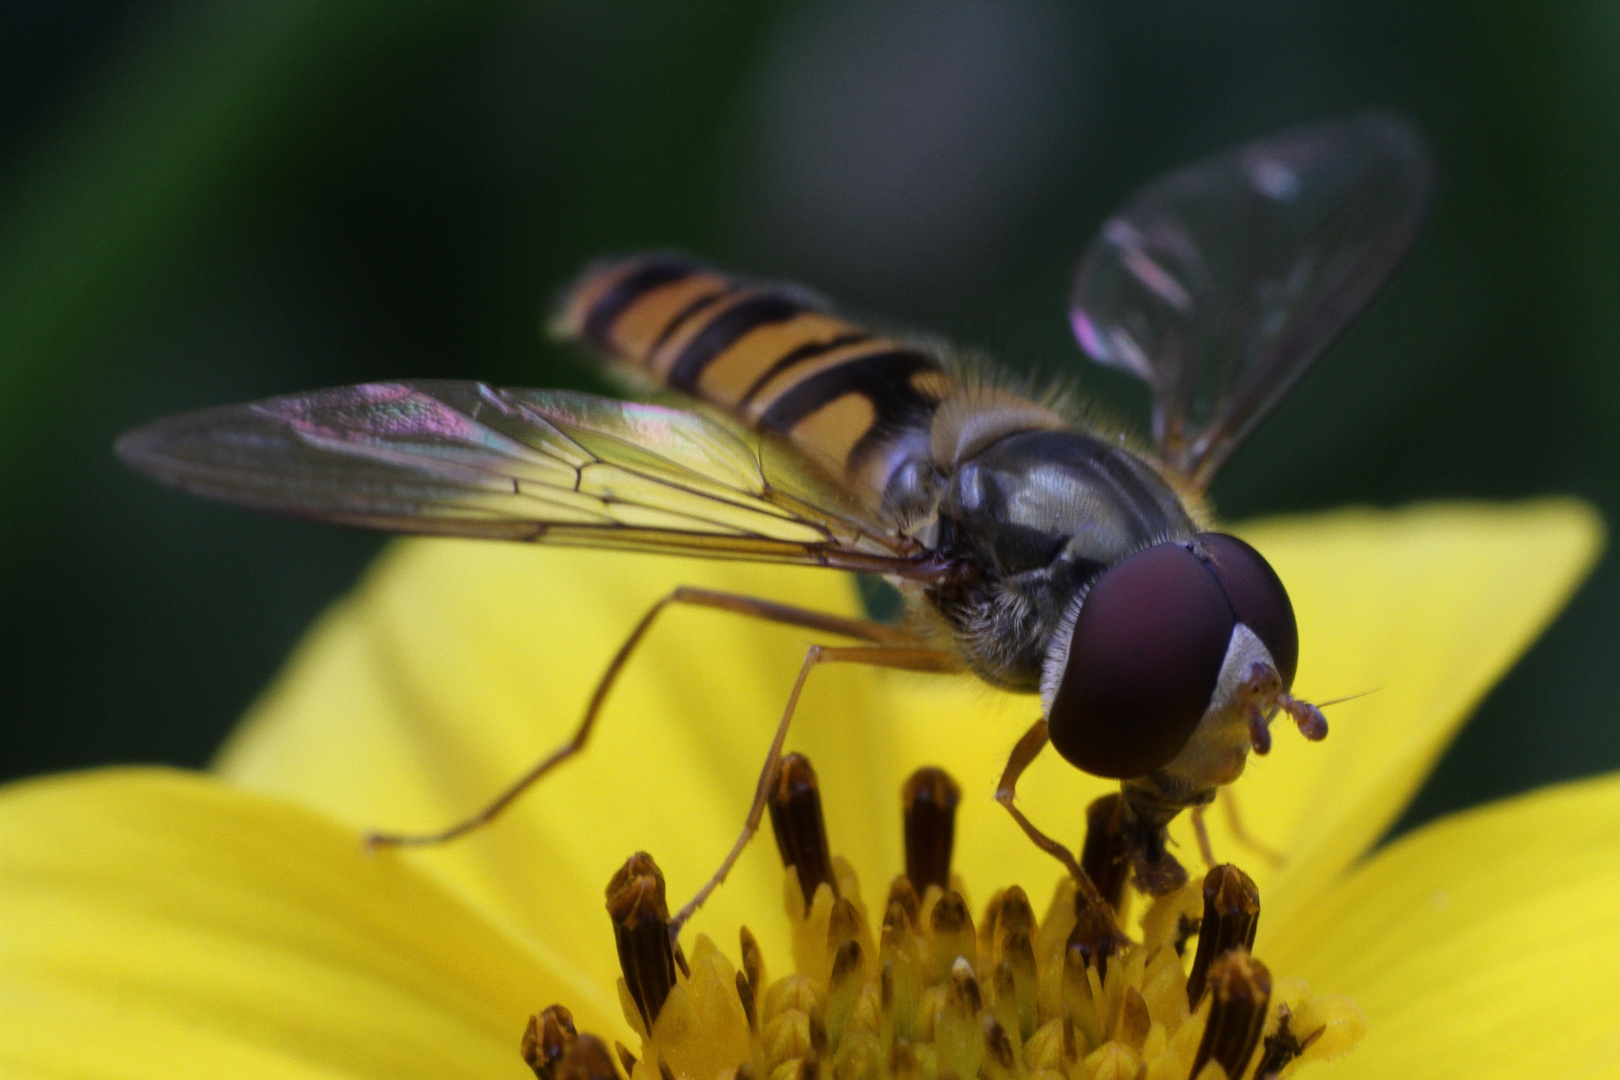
[(466, 459), (1220, 283)]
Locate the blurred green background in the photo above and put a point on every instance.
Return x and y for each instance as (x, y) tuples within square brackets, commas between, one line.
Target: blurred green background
[(202, 202)]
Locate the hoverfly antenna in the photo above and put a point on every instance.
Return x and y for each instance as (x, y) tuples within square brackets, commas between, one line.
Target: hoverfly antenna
[(1347, 697), (1267, 697), (1307, 717)]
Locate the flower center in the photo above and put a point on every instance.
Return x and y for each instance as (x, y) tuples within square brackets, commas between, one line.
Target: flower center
[(924, 993)]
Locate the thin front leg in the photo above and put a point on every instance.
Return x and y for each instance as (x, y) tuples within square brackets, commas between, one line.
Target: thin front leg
[(902, 659), (860, 629), (1201, 830), (1023, 755), (1234, 822)]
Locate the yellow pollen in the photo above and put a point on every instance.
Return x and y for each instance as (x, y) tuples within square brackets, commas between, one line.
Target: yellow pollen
[(921, 992)]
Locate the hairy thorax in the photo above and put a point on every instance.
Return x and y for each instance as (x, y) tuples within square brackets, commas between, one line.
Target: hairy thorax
[(1034, 518)]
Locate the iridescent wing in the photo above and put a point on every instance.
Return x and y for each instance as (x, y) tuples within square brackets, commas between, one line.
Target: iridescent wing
[(1220, 283), (466, 459)]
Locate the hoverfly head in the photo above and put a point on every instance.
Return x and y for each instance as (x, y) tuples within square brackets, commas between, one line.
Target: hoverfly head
[(1156, 643)]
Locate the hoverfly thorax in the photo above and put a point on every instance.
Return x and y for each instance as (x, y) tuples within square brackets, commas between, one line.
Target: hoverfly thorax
[(1040, 514)]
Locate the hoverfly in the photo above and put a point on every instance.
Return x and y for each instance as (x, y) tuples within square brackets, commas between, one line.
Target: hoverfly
[(1038, 551)]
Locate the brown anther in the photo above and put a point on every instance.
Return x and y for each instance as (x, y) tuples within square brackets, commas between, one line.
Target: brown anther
[(998, 1047), (664, 1071), (1095, 936), (896, 929), (930, 799), (1106, 854), (1018, 953), (587, 1058), (1231, 916), (801, 833), (843, 988), (546, 1039), (901, 892), (635, 903), (626, 1058), (846, 965), (1134, 1019), (952, 935), (843, 923), (1017, 915), (1240, 988), (1283, 1046), (903, 1063), (950, 915), (964, 988), (745, 994), (818, 1034), (753, 963)]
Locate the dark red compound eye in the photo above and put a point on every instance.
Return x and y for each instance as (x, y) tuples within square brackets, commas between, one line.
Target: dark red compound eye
[(1258, 598), (1148, 646), (1146, 651)]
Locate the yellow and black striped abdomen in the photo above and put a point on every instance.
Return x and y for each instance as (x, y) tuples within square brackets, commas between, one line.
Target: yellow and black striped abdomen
[(771, 354)]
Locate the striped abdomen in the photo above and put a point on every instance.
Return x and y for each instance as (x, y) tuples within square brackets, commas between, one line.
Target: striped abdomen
[(774, 356)]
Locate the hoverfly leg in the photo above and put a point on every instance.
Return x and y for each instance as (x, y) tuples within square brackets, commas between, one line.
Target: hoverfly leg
[(900, 658), (1023, 755), (1201, 831), (1241, 834), (860, 629)]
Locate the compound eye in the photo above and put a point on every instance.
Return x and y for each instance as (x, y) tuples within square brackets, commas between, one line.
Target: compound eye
[(1146, 652), (1258, 597)]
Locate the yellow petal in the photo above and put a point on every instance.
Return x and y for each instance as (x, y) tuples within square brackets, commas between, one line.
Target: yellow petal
[(1483, 945), (456, 664), (1426, 608), (155, 924)]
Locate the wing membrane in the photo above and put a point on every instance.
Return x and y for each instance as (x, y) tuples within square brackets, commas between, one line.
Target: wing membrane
[(467, 459), (1221, 283)]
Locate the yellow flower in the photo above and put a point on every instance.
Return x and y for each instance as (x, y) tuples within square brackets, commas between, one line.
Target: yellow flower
[(156, 923)]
